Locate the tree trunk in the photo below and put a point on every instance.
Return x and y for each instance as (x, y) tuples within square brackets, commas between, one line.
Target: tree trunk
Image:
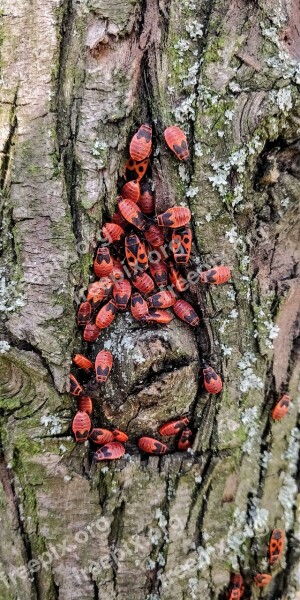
[(78, 77)]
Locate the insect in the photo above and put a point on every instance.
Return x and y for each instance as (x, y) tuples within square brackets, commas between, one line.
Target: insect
[(84, 314), (152, 446), (136, 170), (106, 315), (103, 365), (163, 299), (139, 306), (262, 579), (177, 142), (216, 275), (132, 214), (131, 191), (122, 293), (146, 201), (173, 427), (101, 436), (95, 294), (182, 245), (112, 232), (155, 236), (159, 272), (103, 263), (141, 143), (91, 332), (212, 382), (177, 279), (75, 387), (276, 546), (184, 311), (118, 217), (174, 217), (135, 251), (82, 362), (120, 436), (185, 440), (237, 587), (84, 404), (281, 408), (81, 426), (143, 283), (157, 315), (111, 451)]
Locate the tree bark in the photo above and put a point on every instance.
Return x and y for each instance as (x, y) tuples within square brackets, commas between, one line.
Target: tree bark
[(78, 77)]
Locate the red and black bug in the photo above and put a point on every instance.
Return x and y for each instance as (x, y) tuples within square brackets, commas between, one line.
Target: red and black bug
[(276, 546), (82, 362), (103, 263), (212, 382), (117, 273), (99, 290), (175, 217), (237, 587), (163, 299), (75, 387), (112, 232), (95, 294), (146, 201), (159, 272), (139, 306), (144, 283), (281, 408), (103, 365), (173, 427), (141, 143), (84, 314), (101, 436), (177, 280), (216, 275), (158, 315), (177, 142), (136, 170), (154, 236), (135, 251), (131, 191), (91, 332), (262, 579), (122, 293), (81, 426), (132, 214), (84, 404), (106, 315), (120, 436), (182, 245), (111, 451), (185, 440), (152, 446), (184, 311)]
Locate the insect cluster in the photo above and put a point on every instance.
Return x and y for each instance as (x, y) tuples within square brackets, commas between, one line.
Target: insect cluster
[(140, 263), (237, 585), (276, 544)]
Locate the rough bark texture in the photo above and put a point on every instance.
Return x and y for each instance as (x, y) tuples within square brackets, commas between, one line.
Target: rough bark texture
[(77, 78)]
